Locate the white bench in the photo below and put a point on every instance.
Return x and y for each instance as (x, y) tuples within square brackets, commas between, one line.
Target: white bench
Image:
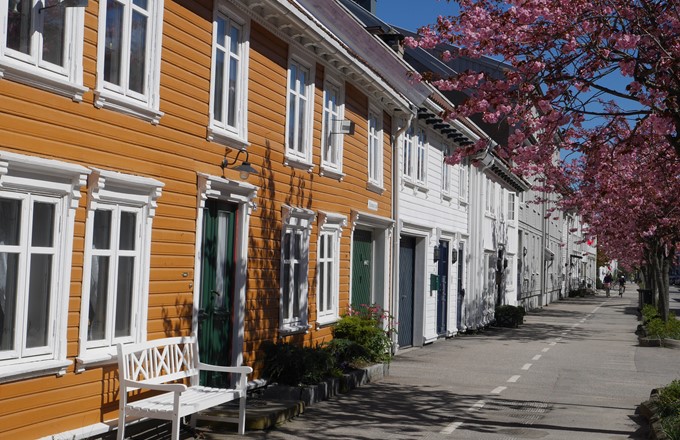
[(162, 365)]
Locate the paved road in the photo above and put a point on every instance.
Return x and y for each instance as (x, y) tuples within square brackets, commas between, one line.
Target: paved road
[(573, 371)]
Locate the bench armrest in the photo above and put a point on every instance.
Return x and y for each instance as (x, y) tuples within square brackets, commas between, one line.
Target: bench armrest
[(174, 387), (242, 369)]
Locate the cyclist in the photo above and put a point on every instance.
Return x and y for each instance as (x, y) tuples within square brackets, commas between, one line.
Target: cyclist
[(622, 285)]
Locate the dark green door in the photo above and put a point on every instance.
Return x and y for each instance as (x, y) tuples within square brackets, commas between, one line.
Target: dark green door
[(216, 302), (362, 267), (443, 291)]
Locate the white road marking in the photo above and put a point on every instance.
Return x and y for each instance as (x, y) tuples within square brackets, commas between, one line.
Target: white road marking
[(545, 349), (526, 366), (553, 343), (514, 378), (498, 390), (451, 427), (535, 358)]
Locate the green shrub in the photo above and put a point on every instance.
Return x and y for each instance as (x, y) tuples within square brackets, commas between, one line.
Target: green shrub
[(657, 328), (669, 409), (291, 364), (649, 312), (363, 335), (509, 316)]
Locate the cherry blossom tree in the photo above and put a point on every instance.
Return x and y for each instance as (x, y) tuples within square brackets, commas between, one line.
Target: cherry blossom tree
[(598, 80)]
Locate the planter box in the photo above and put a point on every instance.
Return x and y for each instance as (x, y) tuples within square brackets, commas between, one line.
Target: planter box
[(670, 343), (649, 342)]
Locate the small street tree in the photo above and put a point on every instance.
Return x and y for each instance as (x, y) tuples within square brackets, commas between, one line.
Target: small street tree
[(597, 80)]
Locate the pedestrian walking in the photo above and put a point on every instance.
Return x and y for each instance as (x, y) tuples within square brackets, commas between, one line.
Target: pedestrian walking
[(622, 285), (607, 282)]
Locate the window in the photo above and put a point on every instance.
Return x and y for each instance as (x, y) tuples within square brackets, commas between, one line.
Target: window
[(328, 267), (38, 200), (116, 266), (128, 58), (490, 197), (510, 273), (375, 149), (421, 157), (511, 206), (463, 182), (43, 48), (229, 84), (446, 176), (299, 113), (297, 223), (407, 154), (332, 139)]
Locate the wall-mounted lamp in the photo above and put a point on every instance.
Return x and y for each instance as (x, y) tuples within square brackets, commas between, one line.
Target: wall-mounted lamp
[(435, 254), (454, 256), (245, 169), (344, 126), (66, 4), (524, 252)]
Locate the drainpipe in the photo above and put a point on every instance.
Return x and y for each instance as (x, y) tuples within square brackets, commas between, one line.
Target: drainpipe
[(396, 181), (543, 266)]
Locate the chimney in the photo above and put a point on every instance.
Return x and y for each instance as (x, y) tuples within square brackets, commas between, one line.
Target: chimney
[(369, 5)]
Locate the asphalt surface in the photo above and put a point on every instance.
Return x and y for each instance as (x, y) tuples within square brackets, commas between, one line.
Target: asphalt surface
[(574, 370)]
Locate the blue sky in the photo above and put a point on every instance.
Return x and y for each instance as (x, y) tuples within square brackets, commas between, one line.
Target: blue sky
[(411, 14)]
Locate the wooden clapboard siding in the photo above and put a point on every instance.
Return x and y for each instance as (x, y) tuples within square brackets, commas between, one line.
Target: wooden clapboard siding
[(39, 123)]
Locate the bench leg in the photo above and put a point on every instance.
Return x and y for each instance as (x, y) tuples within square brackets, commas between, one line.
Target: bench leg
[(242, 415), (175, 428), (120, 435)]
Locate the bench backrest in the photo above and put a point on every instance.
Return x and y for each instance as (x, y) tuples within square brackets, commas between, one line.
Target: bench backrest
[(158, 361)]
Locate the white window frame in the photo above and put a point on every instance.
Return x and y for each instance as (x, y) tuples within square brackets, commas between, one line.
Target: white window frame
[(421, 147), (31, 69), (299, 151), (332, 166), (374, 130), (26, 177), (407, 149), (446, 176), (327, 292), (464, 182), (118, 192), (512, 205), (490, 197), (220, 130), (295, 221), (146, 105)]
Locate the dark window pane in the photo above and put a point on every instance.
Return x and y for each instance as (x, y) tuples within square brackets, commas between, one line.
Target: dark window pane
[(218, 101), (231, 98), (8, 299), (43, 225), (10, 221), (113, 41), (38, 319), (138, 53), (128, 229), (285, 290), (322, 287), (141, 3), (286, 246), (53, 33), (19, 25), (101, 235), (123, 324), (99, 284)]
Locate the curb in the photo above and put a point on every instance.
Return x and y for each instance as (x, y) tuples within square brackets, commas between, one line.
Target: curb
[(648, 410), (279, 403)]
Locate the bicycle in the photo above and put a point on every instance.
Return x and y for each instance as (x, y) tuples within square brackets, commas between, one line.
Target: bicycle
[(622, 289)]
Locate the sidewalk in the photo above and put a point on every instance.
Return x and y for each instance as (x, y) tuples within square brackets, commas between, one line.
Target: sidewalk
[(587, 386)]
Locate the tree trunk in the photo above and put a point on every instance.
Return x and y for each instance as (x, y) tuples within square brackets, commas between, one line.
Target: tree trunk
[(657, 276)]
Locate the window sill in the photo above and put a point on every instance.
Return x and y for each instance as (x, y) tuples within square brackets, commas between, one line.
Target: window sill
[(95, 358), (332, 173), (296, 162), (222, 136), (416, 186), (374, 187), (446, 197), (114, 101), (326, 321), (33, 369), (294, 330), (41, 79), (463, 202)]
